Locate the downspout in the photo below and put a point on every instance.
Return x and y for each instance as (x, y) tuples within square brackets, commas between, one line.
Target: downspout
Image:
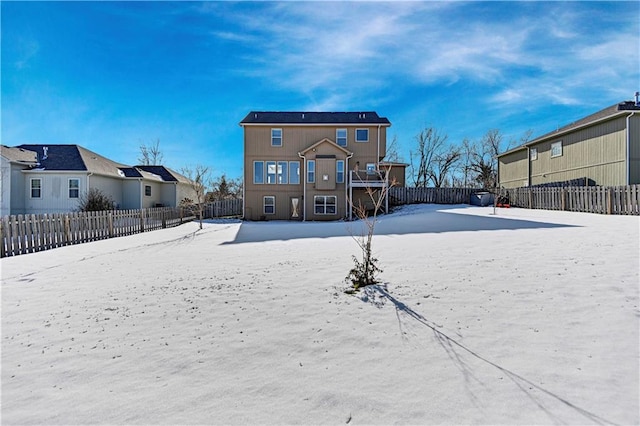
[(378, 157), (528, 166), (347, 184), (628, 149), (303, 179)]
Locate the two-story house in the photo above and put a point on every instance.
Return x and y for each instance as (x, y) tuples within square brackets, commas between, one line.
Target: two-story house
[(311, 165)]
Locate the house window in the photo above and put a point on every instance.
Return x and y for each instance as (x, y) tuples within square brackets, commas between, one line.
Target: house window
[(533, 153), (371, 168), (311, 171), (258, 172), (340, 171), (362, 135), (36, 188), (556, 149), (271, 171), (276, 137), (294, 172), (324, 204), (269, 204), (147, 190), (282, 172), (341, 137), (74, 188)]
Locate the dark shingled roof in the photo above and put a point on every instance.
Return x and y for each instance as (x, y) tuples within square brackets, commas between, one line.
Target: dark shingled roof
[(59, 157), (305, 117), (160, 171), (130, 172)]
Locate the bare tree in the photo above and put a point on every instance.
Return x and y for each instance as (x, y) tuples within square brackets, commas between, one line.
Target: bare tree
[(200, 180), (443, 165), (392, 154), (366, 269), (430, 145), (150, 155)]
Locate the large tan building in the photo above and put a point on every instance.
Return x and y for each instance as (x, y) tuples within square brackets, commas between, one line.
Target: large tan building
[(603, 149), (309, 165)]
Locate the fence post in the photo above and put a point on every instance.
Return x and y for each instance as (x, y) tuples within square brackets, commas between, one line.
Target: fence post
[(164, 218), (67, 230), (141, 220), (530, 198), (609, 200)]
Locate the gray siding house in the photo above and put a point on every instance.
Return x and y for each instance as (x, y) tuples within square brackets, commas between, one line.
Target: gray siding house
[(39, 179), (603, 148)]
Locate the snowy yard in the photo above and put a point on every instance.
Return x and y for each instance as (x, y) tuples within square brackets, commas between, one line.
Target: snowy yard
[(525, 317)]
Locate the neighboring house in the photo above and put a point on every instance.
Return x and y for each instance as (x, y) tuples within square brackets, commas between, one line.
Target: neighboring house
[(53, 178), (308, 165), (603, 149)]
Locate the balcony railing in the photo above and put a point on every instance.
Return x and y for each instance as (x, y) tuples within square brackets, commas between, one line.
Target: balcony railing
[(362, 178)]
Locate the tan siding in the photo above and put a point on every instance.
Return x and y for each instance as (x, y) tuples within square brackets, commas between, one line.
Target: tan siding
[(597, 153), (513, 169), (634, 149), (295, 139)]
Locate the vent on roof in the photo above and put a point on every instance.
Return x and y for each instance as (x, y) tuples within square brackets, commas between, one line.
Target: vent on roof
[(45, 150), (637, 95), (255, 115)]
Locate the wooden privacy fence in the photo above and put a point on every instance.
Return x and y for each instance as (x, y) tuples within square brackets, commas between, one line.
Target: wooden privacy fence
[(223, 208), (402, 195), (623, 200), (31, 233)]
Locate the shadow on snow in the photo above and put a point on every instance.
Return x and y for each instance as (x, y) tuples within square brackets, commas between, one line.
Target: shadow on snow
[(405, 221)]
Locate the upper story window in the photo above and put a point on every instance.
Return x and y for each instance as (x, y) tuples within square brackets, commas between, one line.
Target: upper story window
[(340, 171), (282, 172), (556, 149), (258, 172), (533, 154), (147, 190), (271, 171), (362, 135), (294, 172), (341, 137), (74, 188), (36, 188), (276, 137), (311, 171)]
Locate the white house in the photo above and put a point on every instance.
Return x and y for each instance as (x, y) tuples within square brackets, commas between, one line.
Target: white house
[(40, 179)]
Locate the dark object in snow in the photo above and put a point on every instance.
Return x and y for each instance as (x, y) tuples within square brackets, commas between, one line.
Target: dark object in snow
[(481, 199)]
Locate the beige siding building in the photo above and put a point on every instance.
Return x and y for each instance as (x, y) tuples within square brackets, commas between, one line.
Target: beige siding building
[(603, 148), (308, 165)]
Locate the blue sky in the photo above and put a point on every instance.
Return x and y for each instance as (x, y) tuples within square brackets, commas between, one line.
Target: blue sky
[(112, 75)]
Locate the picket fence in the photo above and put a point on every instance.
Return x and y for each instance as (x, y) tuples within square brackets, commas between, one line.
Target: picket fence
[(620, 200), (23, 234), (403, 195)]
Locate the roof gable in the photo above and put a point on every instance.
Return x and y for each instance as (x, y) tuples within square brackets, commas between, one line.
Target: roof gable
[(18, 155), (322, 142), (313, 117)]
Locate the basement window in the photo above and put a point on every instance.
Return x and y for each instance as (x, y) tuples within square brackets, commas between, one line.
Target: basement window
[(269, 204), (556, 149), (325, 204)]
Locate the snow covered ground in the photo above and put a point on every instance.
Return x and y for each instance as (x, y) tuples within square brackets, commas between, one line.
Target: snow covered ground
[(524, 317)]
